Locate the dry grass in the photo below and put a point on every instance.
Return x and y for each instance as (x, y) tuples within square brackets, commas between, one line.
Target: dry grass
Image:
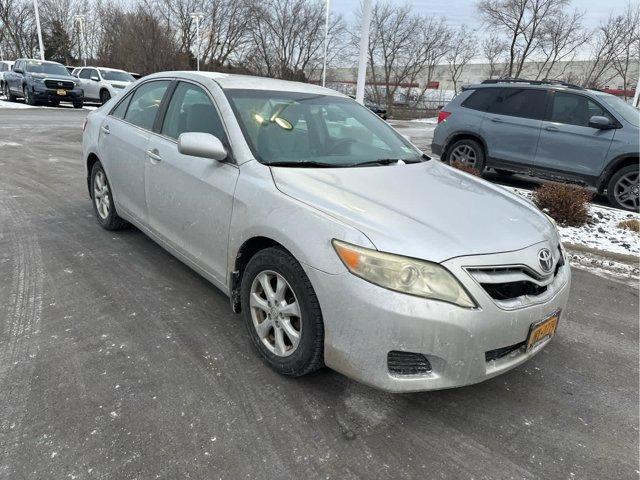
[(465, 167), (566, 204), (632, 224)]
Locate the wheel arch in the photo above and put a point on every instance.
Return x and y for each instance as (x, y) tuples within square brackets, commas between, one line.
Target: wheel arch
[(463, 135), (246, 251), (619, 162), (92, 159)]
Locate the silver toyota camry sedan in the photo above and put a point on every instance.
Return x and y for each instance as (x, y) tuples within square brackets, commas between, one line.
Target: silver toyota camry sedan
[(337, 240)]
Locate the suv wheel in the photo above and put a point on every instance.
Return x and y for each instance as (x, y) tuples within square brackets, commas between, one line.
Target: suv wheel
[(28, 96), (7, 93), (282, 313), (467, 151), (102, 198), (105, 96), (623, 190)]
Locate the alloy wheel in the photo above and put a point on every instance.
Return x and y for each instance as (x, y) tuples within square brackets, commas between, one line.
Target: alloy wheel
[(275, 313), (101, 194), (627, 191), (463, 154)]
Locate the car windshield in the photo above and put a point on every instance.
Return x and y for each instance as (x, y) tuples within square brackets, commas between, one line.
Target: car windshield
[(294, 129), (116, 76), (34, 66), (624, 109)]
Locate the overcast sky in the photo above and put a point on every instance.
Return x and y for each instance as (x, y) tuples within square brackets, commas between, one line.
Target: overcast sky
[(457, 12)]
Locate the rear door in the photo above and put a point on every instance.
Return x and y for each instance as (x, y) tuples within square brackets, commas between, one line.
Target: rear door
[(123, 141), (568, 145), (190, 198), (511, 127)]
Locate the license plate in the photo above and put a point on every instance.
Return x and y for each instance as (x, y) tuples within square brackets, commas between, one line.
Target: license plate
[(540, 331), (61, 92)]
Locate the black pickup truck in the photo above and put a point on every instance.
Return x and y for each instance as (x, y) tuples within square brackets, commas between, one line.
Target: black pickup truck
[(39, 80)]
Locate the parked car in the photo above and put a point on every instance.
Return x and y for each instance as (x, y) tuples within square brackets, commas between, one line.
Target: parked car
[(339, 242), (38, 80), (375, 108), (5, 66), (547, 129), (100, 84), (70, 69)]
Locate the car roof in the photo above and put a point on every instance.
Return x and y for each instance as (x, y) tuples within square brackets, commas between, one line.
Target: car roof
[(250, 82), (40, 61)]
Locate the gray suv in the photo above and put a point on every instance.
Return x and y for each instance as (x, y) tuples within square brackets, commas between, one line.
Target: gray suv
[(548, 129)]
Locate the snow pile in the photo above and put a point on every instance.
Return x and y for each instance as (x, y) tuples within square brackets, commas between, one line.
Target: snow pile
[(430, 120), (601, 231), (13, 105)]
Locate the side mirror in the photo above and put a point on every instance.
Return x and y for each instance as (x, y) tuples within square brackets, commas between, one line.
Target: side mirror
[(95, 78), (598, 121), (203, 145)]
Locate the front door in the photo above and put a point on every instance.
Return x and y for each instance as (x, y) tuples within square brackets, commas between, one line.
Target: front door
[(568, 145), (511, 127), (190, 198), (124, 141)]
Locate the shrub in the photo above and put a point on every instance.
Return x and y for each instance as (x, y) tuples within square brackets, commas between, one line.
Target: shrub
[(465, 167), (566, 204), (632, 224)]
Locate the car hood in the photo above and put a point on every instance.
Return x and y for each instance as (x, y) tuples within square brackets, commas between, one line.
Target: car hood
[(426, 210), (60, 78)]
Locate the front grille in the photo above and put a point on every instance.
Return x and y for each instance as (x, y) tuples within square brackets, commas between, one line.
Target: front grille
[(502, 352), (407, 363), (59, 84), (510, 282)]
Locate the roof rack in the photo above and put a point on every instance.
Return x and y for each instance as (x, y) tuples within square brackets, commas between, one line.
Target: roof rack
[(544, 81)]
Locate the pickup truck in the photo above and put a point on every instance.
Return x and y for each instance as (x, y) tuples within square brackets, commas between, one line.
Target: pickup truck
[(39, 80)]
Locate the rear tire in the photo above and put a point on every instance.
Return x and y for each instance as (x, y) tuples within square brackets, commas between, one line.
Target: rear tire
[(467, 151), (623, 189), (102, 200), (7, 93), (271, 311)]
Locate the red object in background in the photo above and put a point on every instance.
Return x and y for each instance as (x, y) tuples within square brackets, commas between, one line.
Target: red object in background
[(433, 85), (619, 92), (442, 116)]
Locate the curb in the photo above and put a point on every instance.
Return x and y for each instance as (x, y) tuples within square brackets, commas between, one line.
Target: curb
[(618, 257)]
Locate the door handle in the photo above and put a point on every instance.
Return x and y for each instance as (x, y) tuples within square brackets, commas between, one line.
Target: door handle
[(551, 128), (497, 120), (105, 129), (153, 154)]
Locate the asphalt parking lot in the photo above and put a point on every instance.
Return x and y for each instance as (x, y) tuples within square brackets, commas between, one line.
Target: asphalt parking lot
[(117, 361)]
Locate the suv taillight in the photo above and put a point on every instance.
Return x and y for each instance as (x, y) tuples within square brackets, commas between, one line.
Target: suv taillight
[(442, 116)]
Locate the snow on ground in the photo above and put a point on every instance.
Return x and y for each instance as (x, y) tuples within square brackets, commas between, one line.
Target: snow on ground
[(20, 105), (13, 105), (430, 120)]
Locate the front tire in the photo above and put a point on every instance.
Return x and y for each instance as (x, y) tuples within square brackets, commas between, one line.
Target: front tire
[(28, 96), (105, 96), (102, 200), (78, 104), (623, 189), (282, 314), (468, 152)]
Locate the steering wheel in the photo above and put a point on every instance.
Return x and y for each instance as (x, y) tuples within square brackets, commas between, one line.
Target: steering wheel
[(340, 143)]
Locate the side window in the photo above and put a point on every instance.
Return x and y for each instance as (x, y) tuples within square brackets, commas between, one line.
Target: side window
[(191, 110), (145, 103), (121, 109), (575, 109), (481, 99), (520, 102), (85, 73)]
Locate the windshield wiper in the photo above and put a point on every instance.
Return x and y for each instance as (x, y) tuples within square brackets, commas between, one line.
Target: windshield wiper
[(309, 164), (385, 161)]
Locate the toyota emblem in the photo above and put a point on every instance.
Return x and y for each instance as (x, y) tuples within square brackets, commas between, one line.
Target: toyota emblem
[(545, 259)]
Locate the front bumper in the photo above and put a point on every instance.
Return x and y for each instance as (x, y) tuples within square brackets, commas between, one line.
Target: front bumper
[(41, 92), (364, 322)]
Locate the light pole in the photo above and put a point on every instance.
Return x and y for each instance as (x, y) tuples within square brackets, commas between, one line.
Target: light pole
[(364, 46), (40, 43), (326, 42), (83, 50), (197, 16)]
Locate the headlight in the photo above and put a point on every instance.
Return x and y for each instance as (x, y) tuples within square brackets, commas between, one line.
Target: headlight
[(37, 79), (403, 274)]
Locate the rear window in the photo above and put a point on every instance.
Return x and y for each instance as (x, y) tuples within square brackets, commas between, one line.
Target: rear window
[(520, 102), (481, 99)]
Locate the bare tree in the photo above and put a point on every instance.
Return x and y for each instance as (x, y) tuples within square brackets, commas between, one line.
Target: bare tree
[(18, 32), (494, 50), (522, 21), (605, 48), (463, 50), (560, 38), (226, 31), (629, 51)]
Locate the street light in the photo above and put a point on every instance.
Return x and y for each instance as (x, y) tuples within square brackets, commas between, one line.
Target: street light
[(80, 19), (364, 46), (40, 43), (326, 41), (197, 16)]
